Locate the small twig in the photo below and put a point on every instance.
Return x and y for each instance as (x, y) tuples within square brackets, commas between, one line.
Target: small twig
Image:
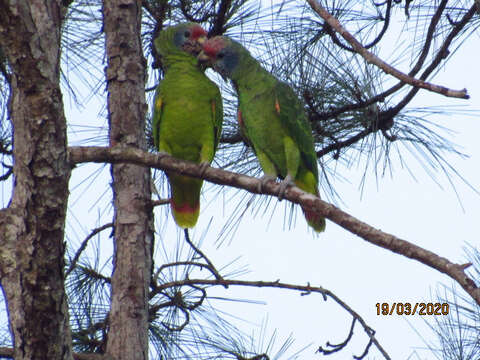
[(7, 174), (337, 146), (4, 147), (451, 21), (160, 202), (373, 59), (153, 282), (466, 265), (407, 8), (365, 353), (84, 244), (152, 88), (231, 139), (191, 17), (338, 347), (96, 275), (180, 327), (388, 136), (210, 265)]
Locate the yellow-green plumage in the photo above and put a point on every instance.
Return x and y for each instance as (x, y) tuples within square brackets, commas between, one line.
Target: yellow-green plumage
[(187, 119), (271, 117)]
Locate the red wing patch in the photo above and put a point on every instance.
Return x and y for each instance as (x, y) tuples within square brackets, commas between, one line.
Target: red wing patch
[(239, 118), (277, 106)]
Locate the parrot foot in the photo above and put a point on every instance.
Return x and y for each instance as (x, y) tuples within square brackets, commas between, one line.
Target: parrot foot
[(203, 167), (263, 180), (162, 153), (288, 181)]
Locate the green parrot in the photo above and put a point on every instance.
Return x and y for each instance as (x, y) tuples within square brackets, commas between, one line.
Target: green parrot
[(187, 115), (271, 118)]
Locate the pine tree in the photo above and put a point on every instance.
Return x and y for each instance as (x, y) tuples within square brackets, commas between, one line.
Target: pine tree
[(70, 293)]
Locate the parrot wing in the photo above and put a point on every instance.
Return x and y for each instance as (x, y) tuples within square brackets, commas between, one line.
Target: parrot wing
[(292, 116), (157, 117), (217, 112)]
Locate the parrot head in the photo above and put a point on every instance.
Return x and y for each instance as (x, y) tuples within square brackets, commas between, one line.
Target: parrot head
[(186, 37), (222, 54)]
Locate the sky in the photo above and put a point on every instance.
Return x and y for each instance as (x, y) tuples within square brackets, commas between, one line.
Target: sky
[(415, 208)]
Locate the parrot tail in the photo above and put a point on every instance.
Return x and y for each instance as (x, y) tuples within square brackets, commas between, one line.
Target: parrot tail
[(308, 184), (185, 200), (314, 220)]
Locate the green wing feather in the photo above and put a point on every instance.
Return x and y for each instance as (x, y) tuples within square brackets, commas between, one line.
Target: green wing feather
[(157, 117), (217, 110), (292, 116)]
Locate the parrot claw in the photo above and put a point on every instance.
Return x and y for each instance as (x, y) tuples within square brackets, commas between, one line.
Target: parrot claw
[(288, 181), (263, 180), (203, 167)]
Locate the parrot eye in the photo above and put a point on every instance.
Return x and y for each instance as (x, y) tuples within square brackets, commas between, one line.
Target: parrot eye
[(187, 34), (220, 55)]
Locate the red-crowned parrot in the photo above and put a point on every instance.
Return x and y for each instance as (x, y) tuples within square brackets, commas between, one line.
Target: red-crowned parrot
[(271, 117), (187, 114)]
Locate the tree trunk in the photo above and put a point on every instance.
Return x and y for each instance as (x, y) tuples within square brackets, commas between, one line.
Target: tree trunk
[(133, 222), (32, 227)]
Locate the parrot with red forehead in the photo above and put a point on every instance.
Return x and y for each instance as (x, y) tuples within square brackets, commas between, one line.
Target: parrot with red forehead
[(271, 117), (187, 115)]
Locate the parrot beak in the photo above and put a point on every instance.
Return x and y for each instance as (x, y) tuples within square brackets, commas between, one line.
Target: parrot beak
[(201, 40), (202, 57)]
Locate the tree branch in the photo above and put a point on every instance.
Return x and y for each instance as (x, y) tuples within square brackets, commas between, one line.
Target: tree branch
[(7, 174), (84, 244), (416, 68), (386, 22), (442, 53), (305, 290), (373, 59), (221, 18), (209, 264), (294, 194), (160, 202), (388, 115)]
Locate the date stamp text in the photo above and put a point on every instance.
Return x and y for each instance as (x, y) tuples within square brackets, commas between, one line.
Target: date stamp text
[(407, 308)]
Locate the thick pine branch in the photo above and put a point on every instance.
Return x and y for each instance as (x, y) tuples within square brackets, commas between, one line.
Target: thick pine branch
[(293, 194)]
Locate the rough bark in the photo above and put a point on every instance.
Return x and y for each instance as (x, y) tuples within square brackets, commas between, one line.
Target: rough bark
[(32, 227), (133, 218)]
